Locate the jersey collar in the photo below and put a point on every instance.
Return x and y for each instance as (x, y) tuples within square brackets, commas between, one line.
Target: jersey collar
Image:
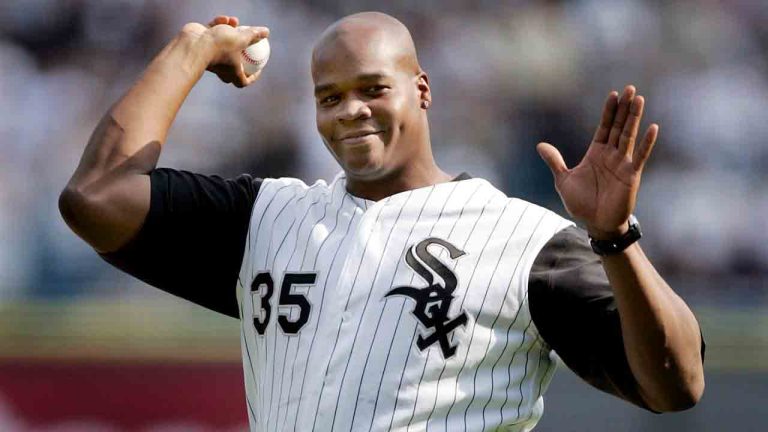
[(462, 176)]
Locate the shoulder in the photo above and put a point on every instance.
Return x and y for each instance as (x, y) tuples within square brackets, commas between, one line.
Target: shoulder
[(535, 223), (497, 194), (289, 188), (183, 187), (287, 198)]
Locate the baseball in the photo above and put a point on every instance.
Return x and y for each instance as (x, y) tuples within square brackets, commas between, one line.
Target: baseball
[(255, 57)]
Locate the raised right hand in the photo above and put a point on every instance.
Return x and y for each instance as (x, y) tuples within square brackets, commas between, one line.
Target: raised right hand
[(228, 40)]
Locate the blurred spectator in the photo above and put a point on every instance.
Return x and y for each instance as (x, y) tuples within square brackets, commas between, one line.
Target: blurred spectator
[(504, 77)]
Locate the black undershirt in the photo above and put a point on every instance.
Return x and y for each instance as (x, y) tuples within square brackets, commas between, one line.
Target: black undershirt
[(192, 241)]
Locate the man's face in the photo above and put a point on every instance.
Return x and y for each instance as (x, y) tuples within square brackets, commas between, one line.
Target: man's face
[(367, 106)]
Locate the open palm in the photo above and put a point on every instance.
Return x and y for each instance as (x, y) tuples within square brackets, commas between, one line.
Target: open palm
[(601, 190)]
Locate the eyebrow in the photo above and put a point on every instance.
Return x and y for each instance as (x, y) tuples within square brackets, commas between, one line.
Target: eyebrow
[(322, 88)]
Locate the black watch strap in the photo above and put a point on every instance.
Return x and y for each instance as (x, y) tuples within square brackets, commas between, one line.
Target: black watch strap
[(617, 245)]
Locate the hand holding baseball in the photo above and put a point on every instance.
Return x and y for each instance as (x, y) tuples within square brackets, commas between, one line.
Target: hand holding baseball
[(601, 190), (229, 42)]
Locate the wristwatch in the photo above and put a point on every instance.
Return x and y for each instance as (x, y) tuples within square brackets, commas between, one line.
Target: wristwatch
[(616, 245)]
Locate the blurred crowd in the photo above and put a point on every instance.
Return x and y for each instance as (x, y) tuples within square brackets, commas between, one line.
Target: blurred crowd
[(505, 75)]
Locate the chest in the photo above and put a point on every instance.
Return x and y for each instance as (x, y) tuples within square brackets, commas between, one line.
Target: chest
[(450, 256)]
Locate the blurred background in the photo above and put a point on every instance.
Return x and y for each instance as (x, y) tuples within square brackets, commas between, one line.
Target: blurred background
[(86, 348)]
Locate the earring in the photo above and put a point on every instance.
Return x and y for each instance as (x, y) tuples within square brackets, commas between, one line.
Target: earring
[(425, 104)]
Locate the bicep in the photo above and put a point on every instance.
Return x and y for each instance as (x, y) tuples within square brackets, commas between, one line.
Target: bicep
[(107, 216)]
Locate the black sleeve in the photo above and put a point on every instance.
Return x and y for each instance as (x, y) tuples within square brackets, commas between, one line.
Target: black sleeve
[(191, 244), (572, 305)]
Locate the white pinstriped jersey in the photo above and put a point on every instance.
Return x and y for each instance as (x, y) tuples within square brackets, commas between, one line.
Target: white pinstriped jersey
[(409, 313)]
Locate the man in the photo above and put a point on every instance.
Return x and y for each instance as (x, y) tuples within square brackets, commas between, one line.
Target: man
[(398, 295)]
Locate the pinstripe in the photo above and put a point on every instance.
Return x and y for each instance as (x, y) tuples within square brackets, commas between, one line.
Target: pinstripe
[(466, 292), (267, 206), (262, 383), (322, 302), (525, 370), (381, 314), (511, 325), (245, 340), (416, 400), (295, 202), (301, 266), (325, 211), (376, 230), (525, 373), (402, 308), (370, 291), (243, 322), (399, 319), (479, 313), (287, 266), (251, 276), (547, 373), (498, 314), (261, 219), (511, 364), (275, 296), (415, 330), (530, 321), (338, 333), (418, 391), (535, 370)]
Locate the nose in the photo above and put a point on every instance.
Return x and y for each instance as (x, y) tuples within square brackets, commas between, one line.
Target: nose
[(352, 109)]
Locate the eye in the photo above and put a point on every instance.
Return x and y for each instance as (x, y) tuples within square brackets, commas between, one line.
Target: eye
[(329, 100), (375, 89)]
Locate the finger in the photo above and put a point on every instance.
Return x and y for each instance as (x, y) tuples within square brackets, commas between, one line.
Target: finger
[(646, 147), (629, 133), (621, 115), (250, 35), (234, 21), (255, 34), (553, 159), (219, 19), (253, 77), (609, 110), (241, 78)]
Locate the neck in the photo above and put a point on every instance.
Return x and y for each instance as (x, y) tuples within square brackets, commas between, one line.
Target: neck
[(411, 177)]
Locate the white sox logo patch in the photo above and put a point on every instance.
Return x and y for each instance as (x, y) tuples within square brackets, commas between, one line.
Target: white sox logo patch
[(434, 300)]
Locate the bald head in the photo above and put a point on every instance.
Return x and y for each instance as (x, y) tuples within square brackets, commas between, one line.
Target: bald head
[(366, 34), (371, 99)]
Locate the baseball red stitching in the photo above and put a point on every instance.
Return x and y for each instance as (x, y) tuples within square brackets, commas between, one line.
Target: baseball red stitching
[(250, 59)]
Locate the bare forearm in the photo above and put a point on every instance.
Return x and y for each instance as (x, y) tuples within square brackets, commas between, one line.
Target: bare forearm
[(661, 335), (130, 136), (108, 197)]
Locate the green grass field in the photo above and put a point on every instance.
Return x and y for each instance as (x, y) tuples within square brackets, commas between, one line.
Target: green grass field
[(166, 328)]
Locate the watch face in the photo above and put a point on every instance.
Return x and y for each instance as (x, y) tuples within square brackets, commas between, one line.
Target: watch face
[(633, 221), (614, 246)]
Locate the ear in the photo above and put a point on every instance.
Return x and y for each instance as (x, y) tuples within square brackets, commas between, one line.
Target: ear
[(425, 95)]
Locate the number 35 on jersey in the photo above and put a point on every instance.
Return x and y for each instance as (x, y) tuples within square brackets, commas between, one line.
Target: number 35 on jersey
[(292, 296)]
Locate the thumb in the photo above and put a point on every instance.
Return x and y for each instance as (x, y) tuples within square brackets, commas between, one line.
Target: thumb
[(553, 158)]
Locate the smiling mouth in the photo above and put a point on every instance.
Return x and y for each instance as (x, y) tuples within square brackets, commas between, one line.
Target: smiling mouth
[(357, 138)]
